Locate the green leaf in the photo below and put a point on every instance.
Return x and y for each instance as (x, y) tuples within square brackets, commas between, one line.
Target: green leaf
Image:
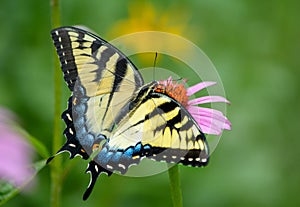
[(36, 143), (39, 146), (8, 191)]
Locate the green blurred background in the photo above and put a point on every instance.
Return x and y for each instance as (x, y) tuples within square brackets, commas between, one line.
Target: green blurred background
[(255, 47)]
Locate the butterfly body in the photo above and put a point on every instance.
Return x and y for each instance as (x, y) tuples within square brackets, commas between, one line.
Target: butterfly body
[(116, 118)]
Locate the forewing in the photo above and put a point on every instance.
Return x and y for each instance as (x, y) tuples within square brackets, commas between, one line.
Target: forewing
[(101, 78)]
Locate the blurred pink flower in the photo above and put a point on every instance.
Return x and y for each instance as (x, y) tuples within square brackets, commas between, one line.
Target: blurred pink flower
[(15, 152), (210, 121)]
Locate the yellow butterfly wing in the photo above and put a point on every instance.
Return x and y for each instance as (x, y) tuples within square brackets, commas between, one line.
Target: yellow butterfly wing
[(109, 102), (101, 79), (165, 130)]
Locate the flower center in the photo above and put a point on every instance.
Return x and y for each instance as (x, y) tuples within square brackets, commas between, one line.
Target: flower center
[(174, 90)]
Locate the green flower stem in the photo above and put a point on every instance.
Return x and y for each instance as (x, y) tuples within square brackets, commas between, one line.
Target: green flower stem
[(56, 165), (175, 185)]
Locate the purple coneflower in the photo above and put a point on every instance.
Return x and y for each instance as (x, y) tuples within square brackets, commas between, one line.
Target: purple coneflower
[(210, 121), (15, 152)]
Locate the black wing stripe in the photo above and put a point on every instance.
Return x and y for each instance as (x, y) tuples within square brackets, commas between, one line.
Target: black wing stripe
[(101, 63), (120, 71), (63, 46), (163, 108)]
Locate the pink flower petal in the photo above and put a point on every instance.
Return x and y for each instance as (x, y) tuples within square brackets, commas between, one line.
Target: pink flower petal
[(208, 112), (193, 89), (209, 130), (211, 121), (210, 126), (15, 153), (208, 99), (214, 122)]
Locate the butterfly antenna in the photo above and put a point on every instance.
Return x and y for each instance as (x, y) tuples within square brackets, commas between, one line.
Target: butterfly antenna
[(154, 65), (179, 79)]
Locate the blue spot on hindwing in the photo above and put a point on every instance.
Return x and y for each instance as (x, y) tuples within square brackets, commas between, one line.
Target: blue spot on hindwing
[(79, 90), (80, 109), (101, 137), (117, 156), (80, 131), (87, 140), (147, 150), (79, 122), (102, 157), (137, 148), (129, 151), (147, 147)]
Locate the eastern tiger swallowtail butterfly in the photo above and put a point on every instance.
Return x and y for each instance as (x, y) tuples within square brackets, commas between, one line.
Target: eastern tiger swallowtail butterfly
[(116, 118)]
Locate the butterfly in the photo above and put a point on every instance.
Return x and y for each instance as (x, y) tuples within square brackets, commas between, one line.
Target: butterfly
[(115, 119)]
